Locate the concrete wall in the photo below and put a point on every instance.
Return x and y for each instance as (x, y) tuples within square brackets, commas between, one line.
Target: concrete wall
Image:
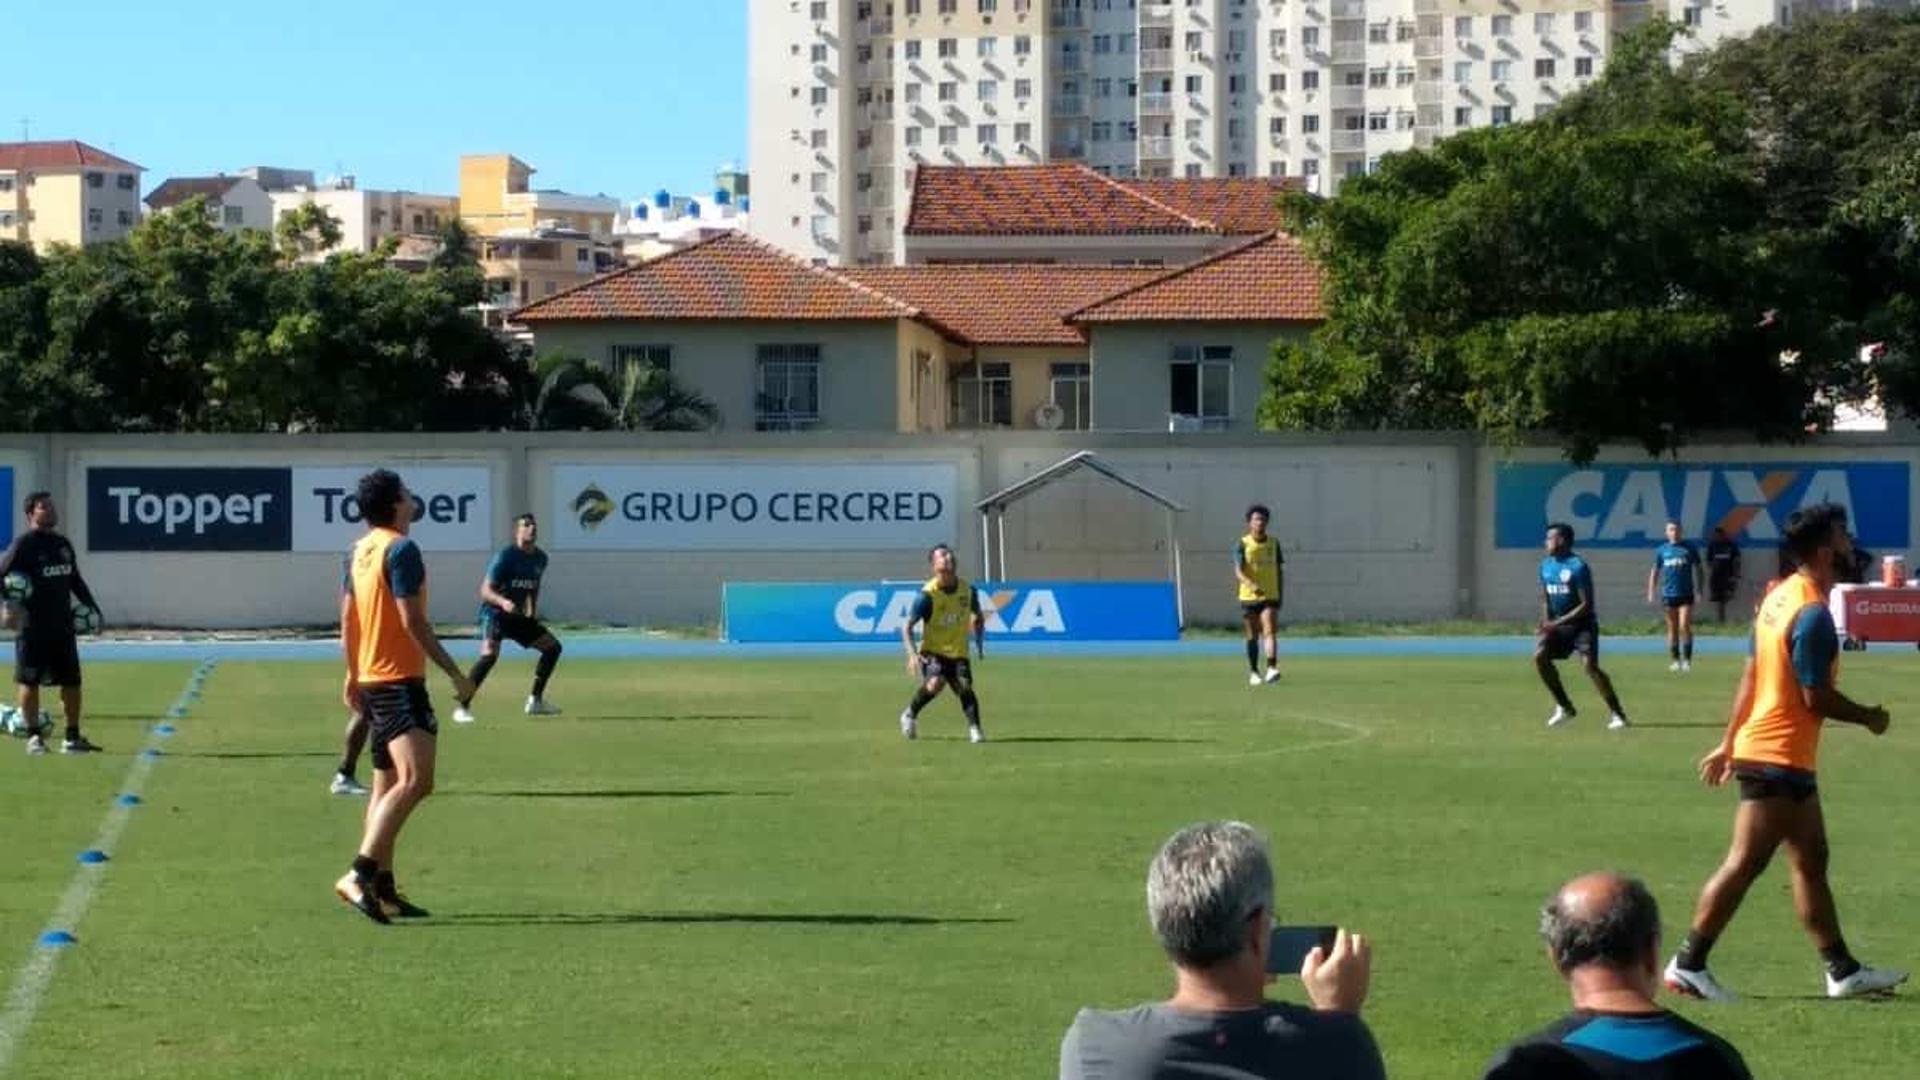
[(1130, 361), (1374, 526)]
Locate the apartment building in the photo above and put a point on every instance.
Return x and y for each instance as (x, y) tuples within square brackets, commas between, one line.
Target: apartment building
[(532, 243), (66, 192), (368, 217), (849, 98), (233, 202)]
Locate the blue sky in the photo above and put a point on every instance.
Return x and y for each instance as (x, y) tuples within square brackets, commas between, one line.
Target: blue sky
[(599, 96)]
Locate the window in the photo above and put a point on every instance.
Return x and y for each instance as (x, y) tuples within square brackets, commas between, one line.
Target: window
[(817, 183), (819, 138), (95, 217), (1072, 394), (1543, 68), (817, 10), (1309, 80), (1194, 128), (1277, 40), (126, 217), (1103, 44), (1463, 116), (1236, 128), (981, 395), (1023, 88), (786, 391), (1502, 115), (949, 134), (949, 48), (988, 89), (988, 6), (1403, 77), (989, 134), (1277, 126), (1309, 37), (1403, 31), (1502, 70), (1236, 84), (124, 181), (818, 54), (1195, 84), (949, 91), (1102, 131), (913, 93), (986, 46), (6, 183), (1543, 23), (913, 136), (625, 357), (1277, 83), (1277, 167), (818, 95), (1310, 124), (1582, 66), (949, 7), (231, 215), (1377, 78), (1582, 21), (1377, 121), (1201, 384), (1022, 45), (912, 51), (1023, 133), (95, 180), (1377, 33), (1103, 88), (1463, 26), (1503, 26), (1463, 71)]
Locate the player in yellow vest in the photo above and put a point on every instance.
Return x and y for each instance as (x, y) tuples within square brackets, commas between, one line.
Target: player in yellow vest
[(1261, 570), (949, 612), (388, 641), (1789, 686)]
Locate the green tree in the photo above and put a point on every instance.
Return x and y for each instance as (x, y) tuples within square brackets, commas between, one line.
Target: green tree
[(576, 394), (306, 230)]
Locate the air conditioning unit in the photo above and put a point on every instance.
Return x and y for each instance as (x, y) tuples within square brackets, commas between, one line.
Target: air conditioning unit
[(1180, 423), (1464, 44), (1024, 148), (1198, 57)]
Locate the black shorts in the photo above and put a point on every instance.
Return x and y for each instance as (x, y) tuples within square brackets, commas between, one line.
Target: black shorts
[(1761, 780), (1565, 641), (1252, 609), (1674, 603), (957, 670), (393, 709), (46, 658), (518, 629), (1720, 590)]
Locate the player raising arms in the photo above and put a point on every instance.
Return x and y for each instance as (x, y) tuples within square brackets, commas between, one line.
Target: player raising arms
[(1261, 570), (510, 609), (388, 640), (1788, 686), (1571, 624), (1676, 574), (949, 611)]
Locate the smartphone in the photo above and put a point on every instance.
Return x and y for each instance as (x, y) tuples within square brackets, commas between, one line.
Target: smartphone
[(1290, 945)]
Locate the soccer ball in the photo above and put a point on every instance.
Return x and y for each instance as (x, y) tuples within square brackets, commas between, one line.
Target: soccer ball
[(16, 588), (86, 620), (13, 722)]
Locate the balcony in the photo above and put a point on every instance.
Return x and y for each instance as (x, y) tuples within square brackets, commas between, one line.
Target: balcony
[(1156, 15), (1068, 19), (1428, 48), (876, 71), (1427, 7), (1158, 104), (880, 112), (1349, 9), (1428, 93), (1349, 97), (1071, 151), (1156, 146), (1349, 52), (1069, 105), (1424, 138), (1072, 61), (1349, 142), (1156, 59)]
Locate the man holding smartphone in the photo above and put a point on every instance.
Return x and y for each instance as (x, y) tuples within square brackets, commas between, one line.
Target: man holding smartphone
[(1210, 898)]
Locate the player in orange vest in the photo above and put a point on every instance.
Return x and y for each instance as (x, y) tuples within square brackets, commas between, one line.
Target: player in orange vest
[(1789, 686), (388, 641)]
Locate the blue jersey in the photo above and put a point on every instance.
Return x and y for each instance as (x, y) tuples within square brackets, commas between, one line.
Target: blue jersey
[(516, 575), (1566, 582), (1677, 564)]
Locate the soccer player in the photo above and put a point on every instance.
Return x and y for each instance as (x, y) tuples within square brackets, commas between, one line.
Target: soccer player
[(1771, 746), (1723, 570), (1676, 572), (1261, 570), (46, 651), (949, 610), (1570, 624), (510, 608), (388, 640)]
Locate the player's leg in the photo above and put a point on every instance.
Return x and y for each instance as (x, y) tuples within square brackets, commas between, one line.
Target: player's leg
[(27, 682), (1250, 624), (1544, 656), (969, 703), (1683, 615), (1807, 857), (549, 649), (353, 740), (413, 754), (1270, 638), (66, 674), (358, 886), (1759, 825), (931, 683), (1587, 644), (489, 655)]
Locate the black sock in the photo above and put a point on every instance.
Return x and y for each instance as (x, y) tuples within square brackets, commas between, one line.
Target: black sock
[(1673, 651), (543, 670), (1688, 650), (970, 705), (365, 870), (73, 733), (480, 669), (383, 885), (1840, 963), (920, 699), (1614, 706), (1693, 951), (1253, 655), (346, 768)]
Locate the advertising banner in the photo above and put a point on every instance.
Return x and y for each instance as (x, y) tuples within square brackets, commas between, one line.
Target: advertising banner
[(1628, 506), (1018, 611), (747, 506), (188, 509), (452, 506)]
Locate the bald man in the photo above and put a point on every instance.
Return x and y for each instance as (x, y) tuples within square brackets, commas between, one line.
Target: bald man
[(1602, 933)]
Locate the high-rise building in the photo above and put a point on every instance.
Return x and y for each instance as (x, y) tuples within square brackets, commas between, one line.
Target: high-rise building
[(849, 97)]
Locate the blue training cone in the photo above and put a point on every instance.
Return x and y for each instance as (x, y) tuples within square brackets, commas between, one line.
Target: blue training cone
[(163, 729), (93, 855), (57, 939), (128, 800)]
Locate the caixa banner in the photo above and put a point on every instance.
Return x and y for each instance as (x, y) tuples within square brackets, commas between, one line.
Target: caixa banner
[(1014, 611)]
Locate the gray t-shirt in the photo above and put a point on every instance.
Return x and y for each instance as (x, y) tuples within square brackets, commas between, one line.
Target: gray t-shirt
[(1155, 1042)]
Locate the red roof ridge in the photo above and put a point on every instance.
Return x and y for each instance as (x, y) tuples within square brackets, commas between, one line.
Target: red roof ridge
[(1182, 271), (1197, 223)]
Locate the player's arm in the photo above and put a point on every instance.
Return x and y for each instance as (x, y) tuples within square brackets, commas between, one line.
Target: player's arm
[(407, 578), (491, 596), (349, 634), (1816, 644), (1653, 577), (922, 611), (10, 613), (1279, 574), (1240, 568), (1583, 592), (1717, 766)]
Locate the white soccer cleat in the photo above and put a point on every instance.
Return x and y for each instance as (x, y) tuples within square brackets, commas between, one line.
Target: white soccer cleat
[(1674, 667), (1561, 715), (541, 707), (1686, 667), (908, 727), (347, 785), (975, 735), (462, 715), (1254, 679), (1618, 723), (1865, 982), (1699, 984), (36, 745), (1273, 675)]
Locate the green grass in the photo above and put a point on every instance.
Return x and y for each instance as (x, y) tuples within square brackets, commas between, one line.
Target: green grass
[(738, 869)]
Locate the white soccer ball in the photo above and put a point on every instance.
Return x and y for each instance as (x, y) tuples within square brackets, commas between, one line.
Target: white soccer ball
[(16, 588), (86, 619), (12, 722)]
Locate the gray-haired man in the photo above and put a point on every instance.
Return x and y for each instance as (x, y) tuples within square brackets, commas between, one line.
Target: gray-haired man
[(1210, 899), (1603, 936)]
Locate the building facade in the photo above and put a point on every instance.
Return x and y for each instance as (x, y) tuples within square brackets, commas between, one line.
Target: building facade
[(66, 192), (369, 217), (848, 98), (233, 202), (532, 244)]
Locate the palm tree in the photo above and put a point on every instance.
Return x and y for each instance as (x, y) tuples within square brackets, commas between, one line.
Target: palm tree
[(578, 395)]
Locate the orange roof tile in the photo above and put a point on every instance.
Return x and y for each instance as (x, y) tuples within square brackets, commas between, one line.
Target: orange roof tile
[(63, 154), (1268, 279), (1237, 206), (731, 276), (1034, 200), (992, 304)]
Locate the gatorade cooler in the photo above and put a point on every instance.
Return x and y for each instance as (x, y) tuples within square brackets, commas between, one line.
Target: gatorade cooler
[(1893, 571)]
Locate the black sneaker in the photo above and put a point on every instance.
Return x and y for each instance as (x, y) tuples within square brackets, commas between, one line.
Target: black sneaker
[(400, 907), (360, 898), (78, 744)]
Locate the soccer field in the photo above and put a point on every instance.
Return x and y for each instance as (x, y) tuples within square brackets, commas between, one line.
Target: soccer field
[(737, 868)]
